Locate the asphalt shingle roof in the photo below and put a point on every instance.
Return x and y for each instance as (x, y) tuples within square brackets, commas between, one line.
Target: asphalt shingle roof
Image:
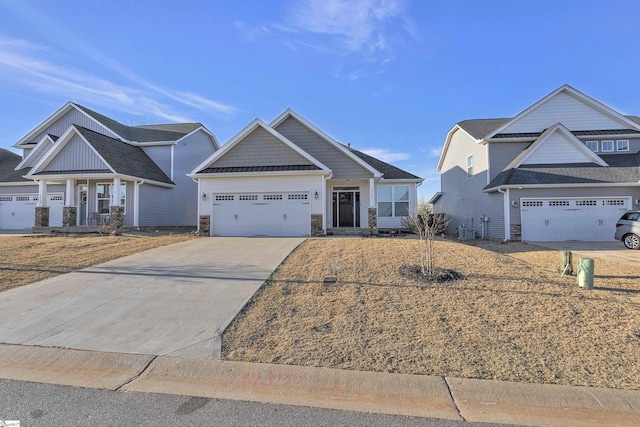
[(124, 158), (623, 168), (388, 171), (145, 133), (8, 162)]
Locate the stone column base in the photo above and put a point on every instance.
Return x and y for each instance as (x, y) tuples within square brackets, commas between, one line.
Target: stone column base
[(42, 216), (205, 225), (316, 224), (373, 221), (116, 216), (69, 216)]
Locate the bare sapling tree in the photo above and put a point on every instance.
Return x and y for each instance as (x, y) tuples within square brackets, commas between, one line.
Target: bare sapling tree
[(427, 226)]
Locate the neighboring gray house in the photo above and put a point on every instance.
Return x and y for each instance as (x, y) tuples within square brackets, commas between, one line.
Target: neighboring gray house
[(79, 168), (564, 169), (289, 177)]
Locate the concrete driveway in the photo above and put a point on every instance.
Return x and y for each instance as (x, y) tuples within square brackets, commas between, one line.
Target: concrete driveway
[(166, 301), (611, 251)]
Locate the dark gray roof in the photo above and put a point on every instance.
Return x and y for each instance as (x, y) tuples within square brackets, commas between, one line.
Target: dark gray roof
[(388, 171), (479, 128), (623, 168), (240, 169), (575, 132), (124, 158), (8, 162), (147, 133), (76, 171)]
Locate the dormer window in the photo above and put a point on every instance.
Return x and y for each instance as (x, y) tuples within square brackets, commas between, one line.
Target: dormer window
[(607, 146), (622, 145), (593, 145)]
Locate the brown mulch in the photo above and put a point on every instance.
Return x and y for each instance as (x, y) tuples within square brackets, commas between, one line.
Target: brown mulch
[(511, 318)]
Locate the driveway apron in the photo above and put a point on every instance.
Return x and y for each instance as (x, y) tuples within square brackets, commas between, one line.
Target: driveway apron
[(165, 301)]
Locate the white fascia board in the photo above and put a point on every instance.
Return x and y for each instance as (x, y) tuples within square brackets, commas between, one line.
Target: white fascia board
[(39, 147), (203, 129), (391, 181), (447, 143), (575, 185), (313, 128), (60, 144), (19, 183), (152, 144), (576, 93), (258, 174), (46, 123)]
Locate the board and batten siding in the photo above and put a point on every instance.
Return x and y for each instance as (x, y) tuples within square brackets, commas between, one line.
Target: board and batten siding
[(462, 198), (74, 117), (76, 155), (503, 153), (260, 148), (556, 149), (342, 166), (568, 110), (275, 184)]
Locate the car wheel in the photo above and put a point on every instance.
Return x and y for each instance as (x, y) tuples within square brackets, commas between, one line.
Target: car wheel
[(631, 241)]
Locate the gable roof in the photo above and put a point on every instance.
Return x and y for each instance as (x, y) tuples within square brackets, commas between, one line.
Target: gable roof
[(388, 171), (8, 162), (579, 150), (621, 169), (208, 165), (122, 158)]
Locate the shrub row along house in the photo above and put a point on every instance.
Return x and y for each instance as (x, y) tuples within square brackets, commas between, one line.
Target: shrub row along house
[(287, 178), (563, 169)]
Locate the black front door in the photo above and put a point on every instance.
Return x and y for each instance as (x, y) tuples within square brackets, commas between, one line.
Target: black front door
[(346, 209)]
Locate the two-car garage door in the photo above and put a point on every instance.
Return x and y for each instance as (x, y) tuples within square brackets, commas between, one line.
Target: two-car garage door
[(261, 214), (17, 211), (566, 219)]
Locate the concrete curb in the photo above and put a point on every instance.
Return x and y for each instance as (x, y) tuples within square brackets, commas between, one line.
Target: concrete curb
[(398, 394), (76, 368)]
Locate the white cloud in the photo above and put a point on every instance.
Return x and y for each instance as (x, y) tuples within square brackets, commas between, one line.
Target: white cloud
[(386, 155), (435, 152), (27, 64)]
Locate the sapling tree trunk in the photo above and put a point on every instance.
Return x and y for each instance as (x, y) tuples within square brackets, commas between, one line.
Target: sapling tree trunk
[(427, 226)]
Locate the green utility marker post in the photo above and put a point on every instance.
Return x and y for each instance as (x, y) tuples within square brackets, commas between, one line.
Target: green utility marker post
[(585, 273)]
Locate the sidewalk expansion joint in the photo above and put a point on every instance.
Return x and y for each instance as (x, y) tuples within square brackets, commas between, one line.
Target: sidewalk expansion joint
[(136, 376), (453, 400)]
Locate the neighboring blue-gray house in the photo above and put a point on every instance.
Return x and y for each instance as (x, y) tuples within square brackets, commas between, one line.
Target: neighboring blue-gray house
[(564, 169), (289, 177), (79, 168)]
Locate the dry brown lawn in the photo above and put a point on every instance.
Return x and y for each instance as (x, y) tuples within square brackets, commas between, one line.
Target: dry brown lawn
[(512, 318), (27, 259)]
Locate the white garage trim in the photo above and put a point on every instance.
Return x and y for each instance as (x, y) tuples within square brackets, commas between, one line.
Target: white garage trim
[(277, 213), (17, 211), (561, 219)]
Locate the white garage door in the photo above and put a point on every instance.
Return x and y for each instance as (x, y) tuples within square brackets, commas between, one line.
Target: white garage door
[(17, 211), (261, 214), (571, 219)]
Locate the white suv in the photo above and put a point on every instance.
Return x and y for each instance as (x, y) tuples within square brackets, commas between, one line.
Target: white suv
[(628, 229)]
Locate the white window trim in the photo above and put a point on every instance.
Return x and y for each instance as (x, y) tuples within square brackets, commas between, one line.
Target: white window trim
[(393, 200), (618, 145), (470, 166), (110, 185), (612, 146), (597, 145)]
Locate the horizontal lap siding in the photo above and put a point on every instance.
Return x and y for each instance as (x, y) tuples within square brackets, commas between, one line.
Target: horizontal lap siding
[(568, 110), (556, 149), (307, 184), (503, 153), (161, 156), (260, 148)]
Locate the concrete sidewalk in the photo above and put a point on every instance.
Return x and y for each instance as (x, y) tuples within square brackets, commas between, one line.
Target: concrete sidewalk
[(412, 395)]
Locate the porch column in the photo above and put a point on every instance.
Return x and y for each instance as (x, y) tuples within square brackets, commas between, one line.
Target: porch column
[(69, 211), (372, 212), (42, 211), (116, 210)]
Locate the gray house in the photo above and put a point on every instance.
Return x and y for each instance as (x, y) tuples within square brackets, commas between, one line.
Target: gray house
[(289, 177), (80, 168), (564, 169)]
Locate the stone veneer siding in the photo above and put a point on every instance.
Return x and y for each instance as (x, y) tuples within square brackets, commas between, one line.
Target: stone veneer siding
[(42, 216), (373, 221), (316, 225), (116, 216), (69, 216), (205, 225)]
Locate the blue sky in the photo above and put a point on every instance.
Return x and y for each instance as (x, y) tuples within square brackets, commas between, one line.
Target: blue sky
[(390, 77)]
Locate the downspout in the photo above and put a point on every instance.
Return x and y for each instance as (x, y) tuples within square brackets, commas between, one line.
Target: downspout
[(507, 214), (136, 204)]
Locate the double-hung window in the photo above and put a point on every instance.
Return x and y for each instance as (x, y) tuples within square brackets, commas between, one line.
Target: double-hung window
[(393, 201), (469, 166), (104, 194)]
